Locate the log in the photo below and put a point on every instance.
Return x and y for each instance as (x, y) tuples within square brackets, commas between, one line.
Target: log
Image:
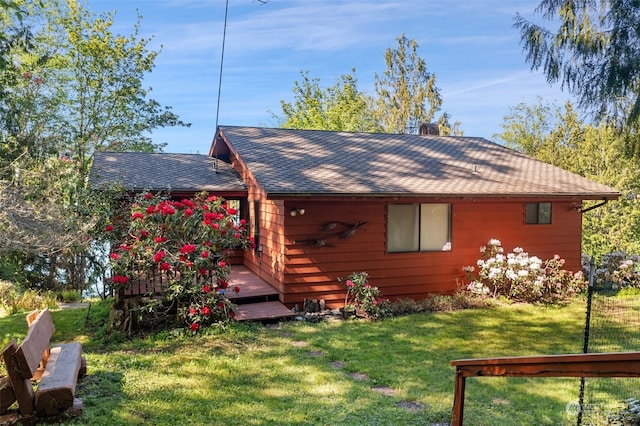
[(57, 388), (7, 397)]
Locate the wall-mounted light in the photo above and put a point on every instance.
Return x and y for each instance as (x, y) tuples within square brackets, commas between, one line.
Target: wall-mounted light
[(296, 211)]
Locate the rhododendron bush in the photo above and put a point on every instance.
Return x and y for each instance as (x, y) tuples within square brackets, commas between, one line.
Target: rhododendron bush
[(520, 277), (183, 247)]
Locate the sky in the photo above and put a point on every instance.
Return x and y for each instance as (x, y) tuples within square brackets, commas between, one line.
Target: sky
[(470, 45)]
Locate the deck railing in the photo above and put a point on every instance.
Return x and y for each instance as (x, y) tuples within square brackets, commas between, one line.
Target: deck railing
[(613, 364)]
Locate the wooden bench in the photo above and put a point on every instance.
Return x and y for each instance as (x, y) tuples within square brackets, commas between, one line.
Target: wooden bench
[(54, 370)]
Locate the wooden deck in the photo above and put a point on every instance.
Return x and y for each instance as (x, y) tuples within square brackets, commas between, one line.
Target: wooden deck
[(256, 300)]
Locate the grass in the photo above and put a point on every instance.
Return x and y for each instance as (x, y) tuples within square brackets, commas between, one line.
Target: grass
[(388, 372)]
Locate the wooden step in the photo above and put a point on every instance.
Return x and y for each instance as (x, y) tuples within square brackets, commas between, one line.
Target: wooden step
[(265, 311), (251, 287)]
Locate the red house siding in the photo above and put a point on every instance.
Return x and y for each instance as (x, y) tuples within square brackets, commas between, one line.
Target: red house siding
[(299, 270)]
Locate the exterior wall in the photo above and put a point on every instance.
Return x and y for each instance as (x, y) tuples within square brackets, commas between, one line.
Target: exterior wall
[(299, 270)]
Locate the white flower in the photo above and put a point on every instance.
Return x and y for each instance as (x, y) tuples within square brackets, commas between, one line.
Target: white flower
[(494, 242)]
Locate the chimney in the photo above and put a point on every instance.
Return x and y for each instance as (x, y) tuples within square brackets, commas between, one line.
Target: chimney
[(429, 129)]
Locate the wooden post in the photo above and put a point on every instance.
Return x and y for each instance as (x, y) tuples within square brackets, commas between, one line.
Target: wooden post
[(458, 400), (21, 387)]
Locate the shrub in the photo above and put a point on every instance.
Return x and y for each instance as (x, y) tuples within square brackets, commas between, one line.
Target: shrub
[(619, 269), (365, 298), (185, 244), (69, 296), (13, 301), (520, 277)]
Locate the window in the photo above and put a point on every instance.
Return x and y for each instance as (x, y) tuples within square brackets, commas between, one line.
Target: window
[(419, 227), (537, 213)]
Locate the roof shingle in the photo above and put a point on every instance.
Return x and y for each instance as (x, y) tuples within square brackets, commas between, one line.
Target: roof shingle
[(138, 171), (311, 162)]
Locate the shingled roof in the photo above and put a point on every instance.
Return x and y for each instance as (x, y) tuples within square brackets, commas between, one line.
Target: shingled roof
[(138, 171), (311, 162)]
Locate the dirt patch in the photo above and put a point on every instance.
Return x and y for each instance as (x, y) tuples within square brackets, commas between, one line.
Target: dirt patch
[(384, 390), (360, 377), (410, 406), (338, 364), (315, 354), (299, 343)]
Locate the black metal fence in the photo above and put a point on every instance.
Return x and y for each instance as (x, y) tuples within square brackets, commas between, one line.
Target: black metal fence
[(612, 325)]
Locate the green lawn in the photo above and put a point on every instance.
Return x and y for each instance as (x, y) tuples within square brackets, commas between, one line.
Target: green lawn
[(391, 372)]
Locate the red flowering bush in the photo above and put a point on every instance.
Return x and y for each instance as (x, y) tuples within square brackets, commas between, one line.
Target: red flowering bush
[(184, 245)]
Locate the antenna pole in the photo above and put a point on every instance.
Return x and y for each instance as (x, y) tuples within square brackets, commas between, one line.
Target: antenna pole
[(224, 36)]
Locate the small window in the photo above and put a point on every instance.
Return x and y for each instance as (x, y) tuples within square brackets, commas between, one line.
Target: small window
[(419, 227), (537, 213)]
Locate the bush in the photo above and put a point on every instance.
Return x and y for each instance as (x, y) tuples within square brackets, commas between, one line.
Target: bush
[(619, 269), (365, 298), (185, 244), (14, 301), (69, 296), (520, 277)]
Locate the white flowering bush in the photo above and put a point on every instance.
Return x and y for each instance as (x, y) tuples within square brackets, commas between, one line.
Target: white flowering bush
[(619, 269), (520, 277)]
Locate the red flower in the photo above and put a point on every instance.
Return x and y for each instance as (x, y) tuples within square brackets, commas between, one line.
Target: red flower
[(193, 311), (243, 222), (188, 203), (159, 256), (222, 264), (203, 271), (212, 198), (160, 239), (164, 266), (205, 310), (114, 256), (236, 289), (137, 215), (232, 211), (188, 248), (144, 234), (148, 196), (151, 209), (195, 326), (232, 314), (120, 279), (223, 284), (167, 210), (188, 212), (206, 288), (124, 247), (204, 254), (108, 228), (215, 226)]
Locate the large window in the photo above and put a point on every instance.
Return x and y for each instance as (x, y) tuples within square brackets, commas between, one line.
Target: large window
[(537, 213), (418, 227)]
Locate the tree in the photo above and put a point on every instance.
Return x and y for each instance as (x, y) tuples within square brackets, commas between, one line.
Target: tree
[(407, 91), (339, 107), (557, 136), (74, 88), (406, 98), (594, 53)]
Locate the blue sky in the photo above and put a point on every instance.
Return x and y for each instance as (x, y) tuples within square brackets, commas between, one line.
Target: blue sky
[(470, 45)]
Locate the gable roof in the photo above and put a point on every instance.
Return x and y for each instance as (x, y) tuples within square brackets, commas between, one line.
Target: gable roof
[(289, 162), (139, 171)]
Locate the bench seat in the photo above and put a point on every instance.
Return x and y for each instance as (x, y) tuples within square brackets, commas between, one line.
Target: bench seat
[(57, 388)]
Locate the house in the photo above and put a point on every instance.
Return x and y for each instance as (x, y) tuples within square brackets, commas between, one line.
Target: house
[(411, 210)]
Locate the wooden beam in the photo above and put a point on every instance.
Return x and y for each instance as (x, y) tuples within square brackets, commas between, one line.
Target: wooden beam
[(618, 364)]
